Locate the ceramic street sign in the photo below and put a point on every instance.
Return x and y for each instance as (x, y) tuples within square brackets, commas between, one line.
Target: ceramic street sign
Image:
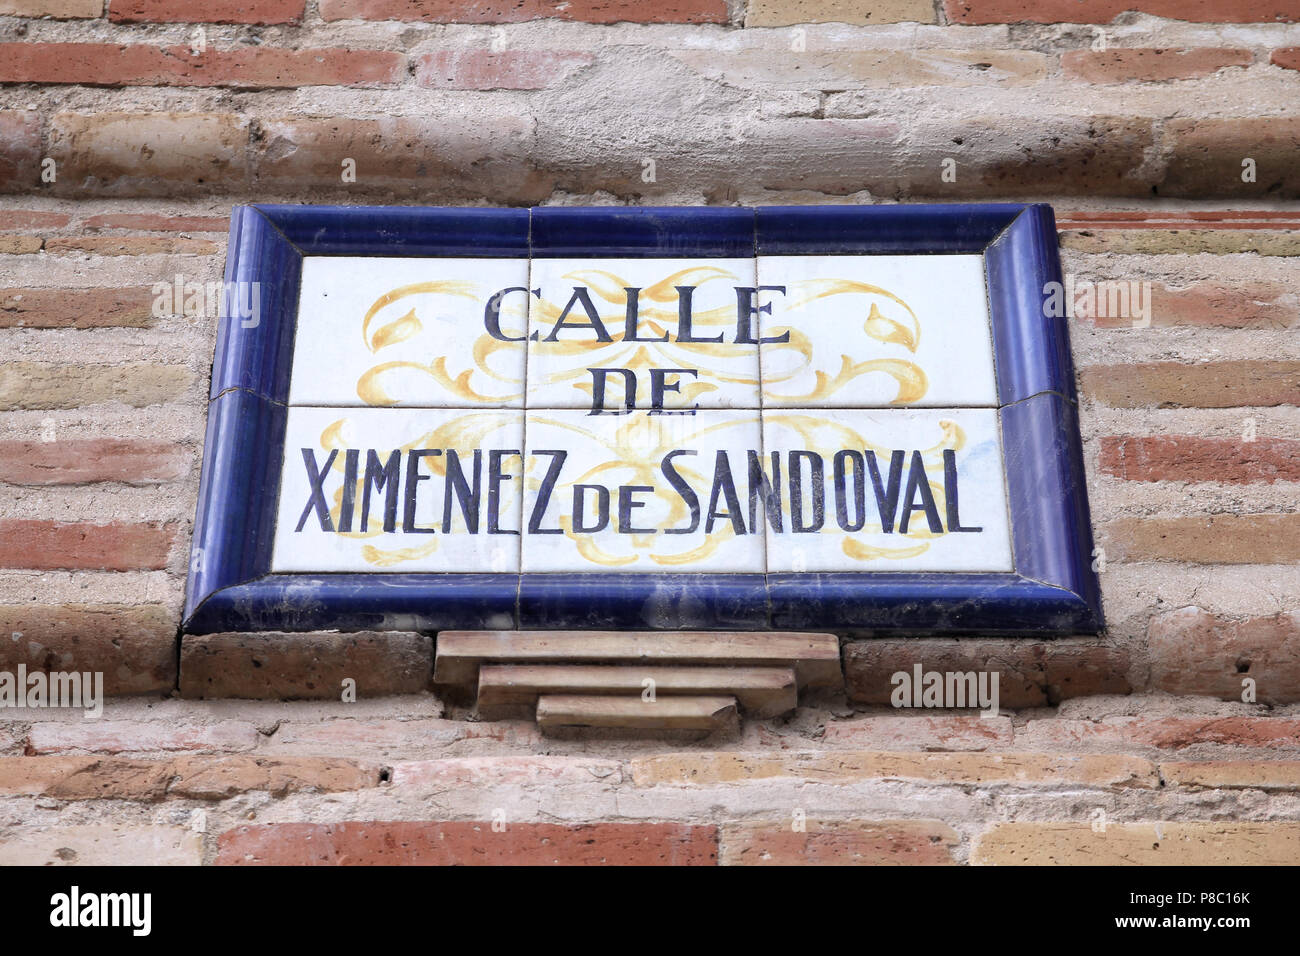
[(856, 417)]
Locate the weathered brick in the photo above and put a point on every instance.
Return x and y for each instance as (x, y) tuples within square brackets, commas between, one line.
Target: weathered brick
[(118, 844), (844, 767), (403, 156), (1228, 384), (132, 645), (251, 67), (918, 732), (140, 737), (838, 843), (1089, 155), (839, 70), (131, 246), (304, 666), (1162, 733), (1192, 458), (117, 546), (783, 13), (20, 150), (1151, 64), (1234, 774), (396, 739), (1029, 674), (484, 69), (80, 461), (20, 245), (1103, 11), (1139, 844), (383, 843), (218, 778), (76, 308), (488, 772), (55, 9), (143, 154), (32, 219), (1196, 652), (1207, 155), (1248, 305), (153, 222), (517, 11), (213, 11), (51, 385), (1205, 539), (1181, 242), (85, 778), (1287, 57)]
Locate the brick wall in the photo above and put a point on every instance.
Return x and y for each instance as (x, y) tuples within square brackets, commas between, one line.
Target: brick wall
[(1171, 151)]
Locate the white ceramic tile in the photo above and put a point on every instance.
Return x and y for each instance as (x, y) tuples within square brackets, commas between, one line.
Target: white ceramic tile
[(302, 542), (876, 331), (653, 533), (922, 539), (408, 332), (565, 340)]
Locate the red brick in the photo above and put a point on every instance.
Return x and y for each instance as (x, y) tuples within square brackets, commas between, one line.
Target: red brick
[(144, 154), (1030, 674), (30, 219), (1287, 57), (1248, 305), (76, 308), (380, 843), (138, 736), (57, 545), (132, 645), (55, 9), (131, 246), (517, 11), (507, 70), (1150, 64), (839, 843), (1230, 384), (1196, 652), (210, 11), (252, 67), (20, 150), (1205, 539), (1104, 11), (93, 459), (152, 222), (1190, 458), (1163, 733), (279, 666)]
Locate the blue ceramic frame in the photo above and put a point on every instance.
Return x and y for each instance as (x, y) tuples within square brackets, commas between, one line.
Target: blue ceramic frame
[(1053, 590)]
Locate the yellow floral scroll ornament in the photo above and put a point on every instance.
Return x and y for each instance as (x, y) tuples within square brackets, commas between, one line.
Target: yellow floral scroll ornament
[(465, 433), (468, 384), (904, 329), (841, 436)]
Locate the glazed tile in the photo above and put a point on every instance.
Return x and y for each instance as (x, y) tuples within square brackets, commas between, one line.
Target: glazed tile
[(442, 488), (935, 501), (409, 332)]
